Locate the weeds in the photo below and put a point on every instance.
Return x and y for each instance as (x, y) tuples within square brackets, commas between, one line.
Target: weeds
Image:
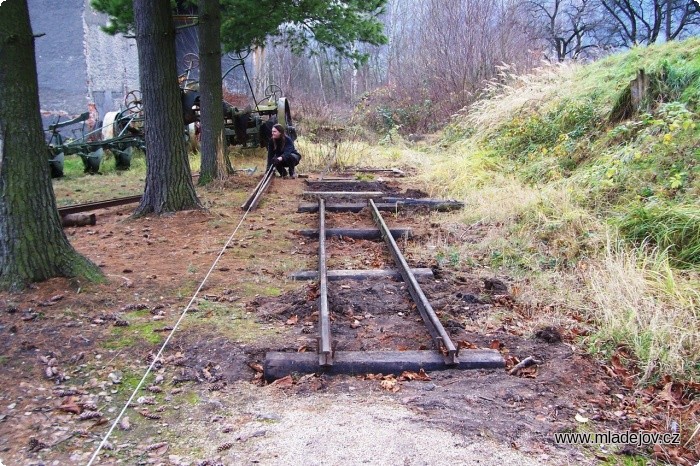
[(641, 303), (674, 229)]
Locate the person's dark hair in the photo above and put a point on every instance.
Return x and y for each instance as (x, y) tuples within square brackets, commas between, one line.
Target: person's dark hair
[(283, 139)]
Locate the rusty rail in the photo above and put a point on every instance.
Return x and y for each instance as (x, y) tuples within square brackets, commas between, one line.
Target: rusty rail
[(255, 197), (325, 354), (437, 331), (88, 206)]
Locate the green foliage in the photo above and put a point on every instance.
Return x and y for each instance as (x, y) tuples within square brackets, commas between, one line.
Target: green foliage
[(307, 25), (670, 227), (652, 157), (551, 144), (335, 25), (121, 14)]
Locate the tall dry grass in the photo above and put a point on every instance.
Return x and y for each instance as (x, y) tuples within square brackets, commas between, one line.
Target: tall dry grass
[(641, 302), (510, 94), (349, 151)]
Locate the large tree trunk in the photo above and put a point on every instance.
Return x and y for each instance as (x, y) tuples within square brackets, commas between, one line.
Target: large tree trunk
[(213, 144), (169, 185), (33, 246)]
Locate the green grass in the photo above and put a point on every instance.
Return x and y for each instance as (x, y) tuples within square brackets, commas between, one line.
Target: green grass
[(133, 335), (672, 228), (77, 187), (230, 320)]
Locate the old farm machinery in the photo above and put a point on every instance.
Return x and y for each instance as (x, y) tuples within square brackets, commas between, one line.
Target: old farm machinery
[(91, 144), (121, 132)]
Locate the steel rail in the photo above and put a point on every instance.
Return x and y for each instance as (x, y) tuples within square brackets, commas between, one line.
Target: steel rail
[(437, 331), (325, 355), (88, 206), (255, 197)]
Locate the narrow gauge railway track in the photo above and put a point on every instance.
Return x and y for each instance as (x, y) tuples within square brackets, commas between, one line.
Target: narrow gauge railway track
[(444, 354)]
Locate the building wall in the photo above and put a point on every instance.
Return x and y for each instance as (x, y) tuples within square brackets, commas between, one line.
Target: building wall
[(77, 63)]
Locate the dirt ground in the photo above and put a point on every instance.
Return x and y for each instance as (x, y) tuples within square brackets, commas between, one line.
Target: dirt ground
[(72, 353)]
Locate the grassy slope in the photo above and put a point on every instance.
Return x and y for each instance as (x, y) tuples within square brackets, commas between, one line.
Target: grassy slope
[(601, 216)]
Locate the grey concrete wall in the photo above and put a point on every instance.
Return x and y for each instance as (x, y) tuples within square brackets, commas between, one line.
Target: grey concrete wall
[(112, 63), (77, 63), (61, 66)]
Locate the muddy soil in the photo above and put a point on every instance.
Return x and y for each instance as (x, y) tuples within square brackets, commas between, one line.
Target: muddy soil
[(73, 353)]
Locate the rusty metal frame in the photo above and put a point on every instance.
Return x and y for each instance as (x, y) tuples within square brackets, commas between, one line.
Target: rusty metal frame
[(252, 202), (437, 331), (325, 353)]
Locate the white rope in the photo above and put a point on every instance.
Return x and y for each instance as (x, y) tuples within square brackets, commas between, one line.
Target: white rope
[(167, 340)]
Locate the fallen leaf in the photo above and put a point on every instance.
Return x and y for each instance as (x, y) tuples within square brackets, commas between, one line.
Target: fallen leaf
[(464, 344), (390, 385), (293, 320), (420, 376), (284, 382), (580, 419), (70, 406), (495, 344)]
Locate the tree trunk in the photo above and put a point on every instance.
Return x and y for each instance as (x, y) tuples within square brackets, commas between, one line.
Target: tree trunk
[(33, 246), (169, 185), (213, 145)]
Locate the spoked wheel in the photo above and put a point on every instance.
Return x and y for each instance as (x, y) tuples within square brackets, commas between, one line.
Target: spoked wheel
[(273, 92), (133, 102), (191, 61), (235, 56)]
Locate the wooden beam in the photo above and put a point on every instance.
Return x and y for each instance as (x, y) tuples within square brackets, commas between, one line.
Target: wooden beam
[(252, 202), (335, 181), (356, 274), (356, 194), (278, 364), (357, 233), (442, 206), (325, 353)]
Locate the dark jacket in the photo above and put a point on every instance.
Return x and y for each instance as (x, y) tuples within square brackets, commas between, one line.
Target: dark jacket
[(289, 154)]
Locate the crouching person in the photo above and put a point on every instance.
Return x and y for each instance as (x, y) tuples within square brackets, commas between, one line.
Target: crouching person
[(281, 152)]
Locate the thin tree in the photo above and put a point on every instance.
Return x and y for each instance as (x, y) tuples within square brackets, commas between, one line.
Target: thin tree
[(566, 25), (33, 246)]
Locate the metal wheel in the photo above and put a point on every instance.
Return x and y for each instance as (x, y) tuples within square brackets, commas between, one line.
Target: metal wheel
[(191, 61), (273, 92), (133, 102), (235, 56)]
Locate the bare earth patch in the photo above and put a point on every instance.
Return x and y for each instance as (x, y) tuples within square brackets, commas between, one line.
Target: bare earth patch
[(72, 353)]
